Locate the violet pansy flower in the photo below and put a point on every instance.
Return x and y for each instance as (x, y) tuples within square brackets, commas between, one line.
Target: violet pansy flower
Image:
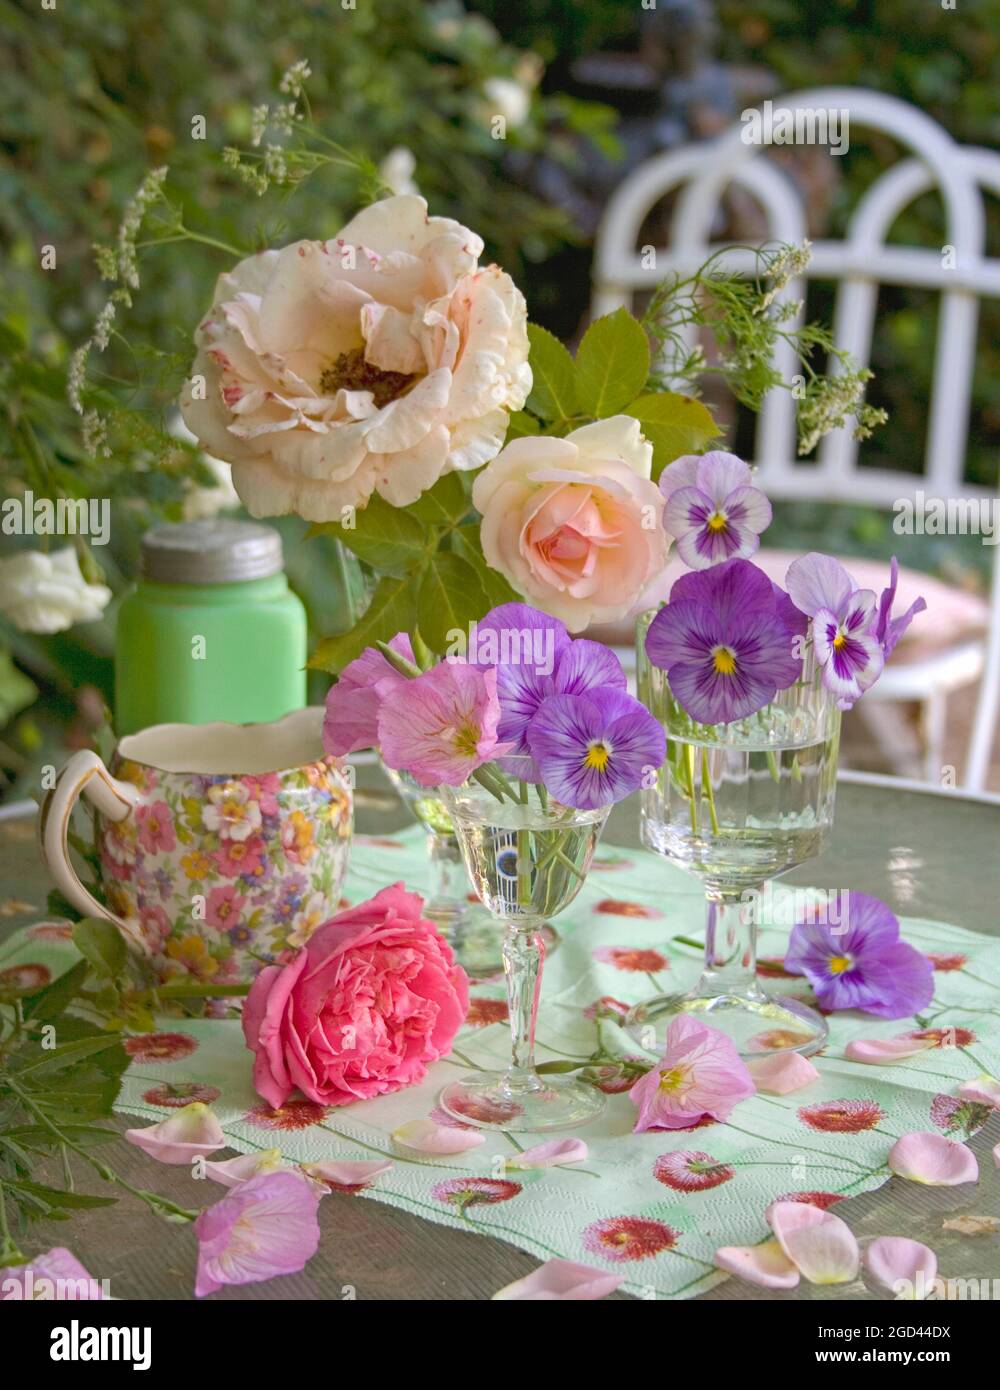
[(888, 629), (725, 642), (593, 749), (866, 966), (844, 625), (712, 510)]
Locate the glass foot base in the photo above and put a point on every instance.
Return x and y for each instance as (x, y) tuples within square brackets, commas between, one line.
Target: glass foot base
[(487, 1101), (759, 1026)]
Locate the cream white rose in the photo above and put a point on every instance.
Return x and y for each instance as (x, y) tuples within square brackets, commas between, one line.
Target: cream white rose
[(373, 362), (575, 524), (48, 593)]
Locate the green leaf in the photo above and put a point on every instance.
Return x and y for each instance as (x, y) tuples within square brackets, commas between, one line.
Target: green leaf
[(38, 1135), (445, 504), (102, 944), (554, 392), (388, 538), (87, 1098), (675, 425), (612, 363), (521, 424), (467, 542), (451, 598), (58, 1197), (17, 692), (53, 1059), (49, 1002), (392, 609)]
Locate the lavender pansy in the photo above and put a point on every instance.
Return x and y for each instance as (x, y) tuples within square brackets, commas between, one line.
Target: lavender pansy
[(865, 966), (712, 510), (848, 649), (888, 629), (725, 642), (593, 749)]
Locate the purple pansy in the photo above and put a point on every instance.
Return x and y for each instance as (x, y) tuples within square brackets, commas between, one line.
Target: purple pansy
[(866, 966), (712, 511), (848, 649), (593, 749), (888, 629), (725, 642)]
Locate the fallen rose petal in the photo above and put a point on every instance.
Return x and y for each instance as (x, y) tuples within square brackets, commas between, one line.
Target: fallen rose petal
[(932, 1159), (550, 1154), (891, 1260), (188, 1133), (429, 1138), (765, 1264), (821, 1245), (244, 1167), (880, 1050), (350, 1173), (562, 1281), (985, 1089), (782, 1073)]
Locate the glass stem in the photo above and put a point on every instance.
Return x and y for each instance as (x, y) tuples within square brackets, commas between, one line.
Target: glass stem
[(731, 944), (523, 957)]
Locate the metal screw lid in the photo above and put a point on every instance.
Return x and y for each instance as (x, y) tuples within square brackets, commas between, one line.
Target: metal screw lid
[(210, 552)]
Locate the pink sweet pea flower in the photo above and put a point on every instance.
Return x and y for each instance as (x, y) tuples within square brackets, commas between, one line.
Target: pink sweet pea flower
[(699, 1074), (263, 1227), (932, 1159), (561, 1281), (441, 725), (191, 1132), (352, 705)]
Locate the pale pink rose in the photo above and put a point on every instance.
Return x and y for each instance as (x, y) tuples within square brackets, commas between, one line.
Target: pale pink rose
[(362, 1009), (376, 361), (575, 524)]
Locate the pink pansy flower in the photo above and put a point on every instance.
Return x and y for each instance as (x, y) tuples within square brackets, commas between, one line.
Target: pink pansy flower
[(932, 1159), (233, 1171), (562, 1281), (819, 1244), (347, 1175), (700, 1074), (895, 1260), (880, 1050), (441, 725), (550, 1154), (985, 1090), (191, 1132), (55, 1274), (783, 1073), (156, 827), (352, 706), (262, 1228), (224, 908), (429, 1138)]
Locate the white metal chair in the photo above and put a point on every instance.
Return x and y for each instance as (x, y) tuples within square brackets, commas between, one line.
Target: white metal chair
[(700, 174)]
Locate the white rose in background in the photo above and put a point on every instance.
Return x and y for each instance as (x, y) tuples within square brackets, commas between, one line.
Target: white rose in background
[(48, 593), (202, 502), (376, 361), (397, 169), (575, 524)]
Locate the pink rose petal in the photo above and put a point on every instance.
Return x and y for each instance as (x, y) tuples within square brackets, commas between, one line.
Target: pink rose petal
[(820, 1244), (932, 1159), (549, 1154), (562, 1281), (429, 1138), (191, 1132), (245, 1166), (348, 1172), (891, 1259), (782, 1073), (985, 1089), (765, 1264), (881, 1050)]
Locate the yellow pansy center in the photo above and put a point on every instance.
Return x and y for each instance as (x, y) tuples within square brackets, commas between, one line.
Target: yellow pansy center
[(717, 521), (838, 964), (597, 756), (839, 641), (723, 660)]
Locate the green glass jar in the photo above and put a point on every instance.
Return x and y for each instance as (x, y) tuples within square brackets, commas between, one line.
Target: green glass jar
[(211, 630)]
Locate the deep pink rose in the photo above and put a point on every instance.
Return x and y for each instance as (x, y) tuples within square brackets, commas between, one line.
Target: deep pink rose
[(360, 1010)]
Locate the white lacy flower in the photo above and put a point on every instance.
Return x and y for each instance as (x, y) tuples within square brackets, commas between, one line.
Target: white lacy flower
[(48, 593), (378, 360)]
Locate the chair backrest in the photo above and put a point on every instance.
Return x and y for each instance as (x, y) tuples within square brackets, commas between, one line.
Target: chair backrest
[(960, 271)]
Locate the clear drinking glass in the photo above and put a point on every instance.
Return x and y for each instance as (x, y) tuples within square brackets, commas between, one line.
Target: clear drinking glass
[(738, 804), (471, 933), (527, 862)]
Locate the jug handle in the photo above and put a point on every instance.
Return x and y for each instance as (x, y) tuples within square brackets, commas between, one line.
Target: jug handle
[(84, 774)]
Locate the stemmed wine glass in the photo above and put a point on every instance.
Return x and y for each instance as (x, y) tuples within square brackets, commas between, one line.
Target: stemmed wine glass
[(527, 859), (738, 804), (471, 933)]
